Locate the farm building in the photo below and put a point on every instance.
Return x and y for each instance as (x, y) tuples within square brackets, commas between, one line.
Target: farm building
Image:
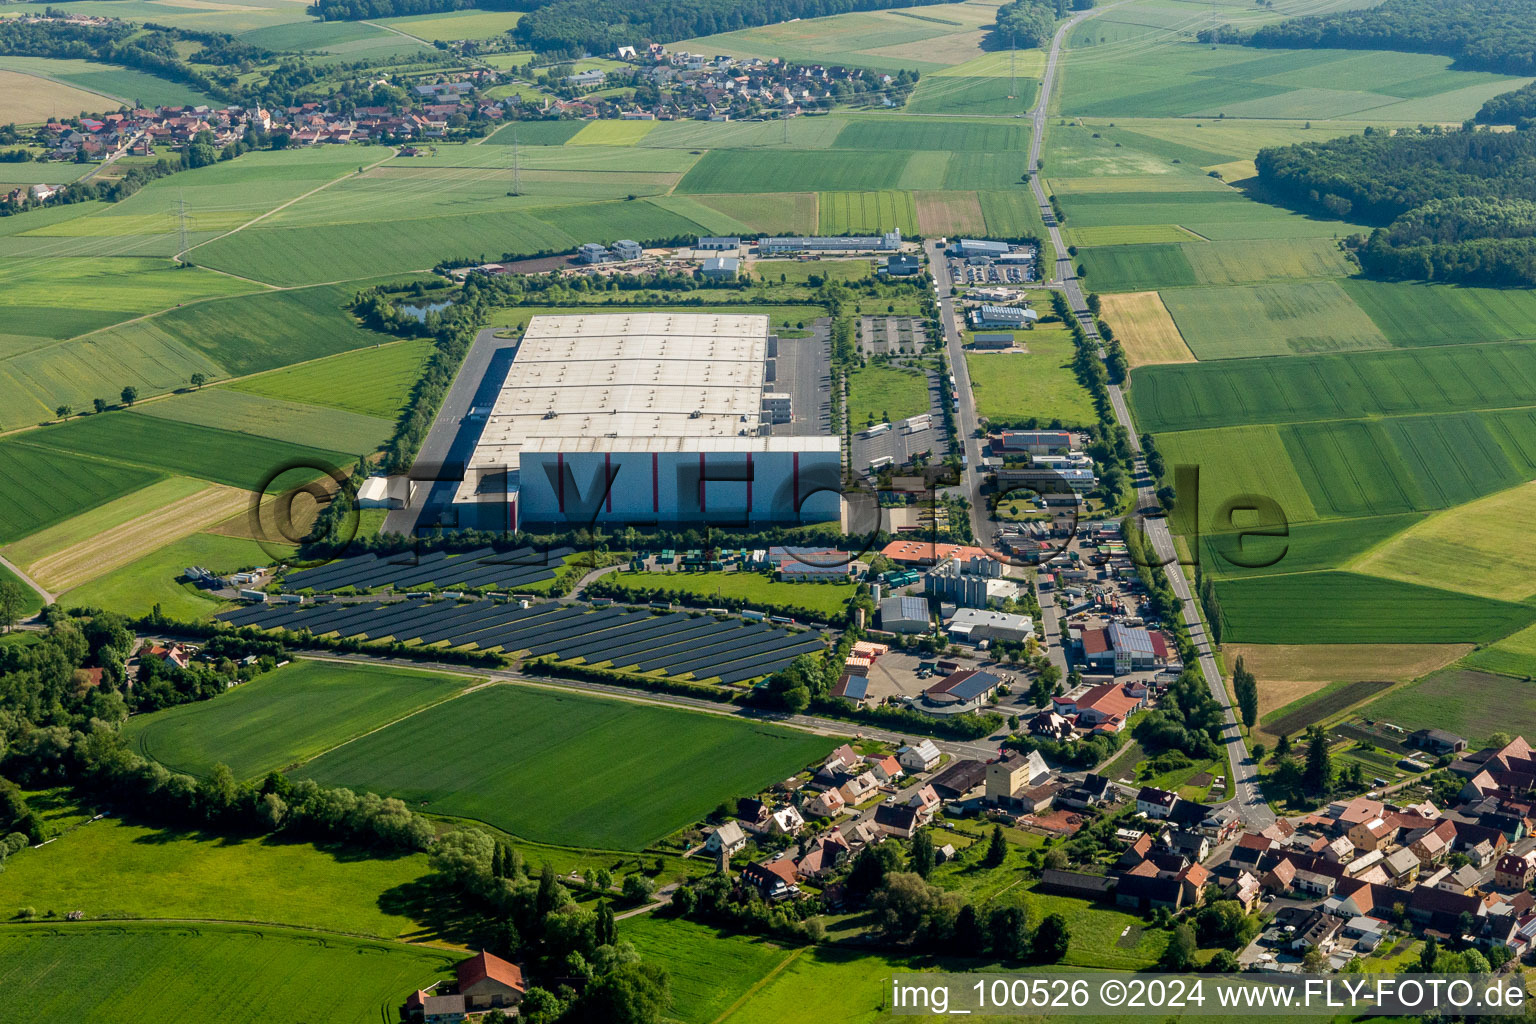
[(888, 242), (988, 315), (642, 418)]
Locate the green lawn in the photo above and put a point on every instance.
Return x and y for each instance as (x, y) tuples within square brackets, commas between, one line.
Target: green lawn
[(709, 971), (116, 869), (1012, 386), (824, 600), (568, 769), (287, 716), (881, 393), (206, 973)]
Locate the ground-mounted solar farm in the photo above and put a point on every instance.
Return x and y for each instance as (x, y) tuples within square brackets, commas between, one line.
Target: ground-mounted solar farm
[(670, 644)]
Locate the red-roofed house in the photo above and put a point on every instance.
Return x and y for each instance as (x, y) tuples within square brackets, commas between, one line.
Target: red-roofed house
[(1102, 708), (487, 981)]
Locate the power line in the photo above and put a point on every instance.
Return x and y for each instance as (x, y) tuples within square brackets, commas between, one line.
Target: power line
[(181, 218)]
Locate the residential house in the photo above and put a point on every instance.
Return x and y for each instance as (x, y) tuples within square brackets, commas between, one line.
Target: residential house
[(1190, 844), (1402, 866), (843, 759), (1432, 844), (489, 982), (1465, 879), (885, 767), (827, 804), (1012, 774), (754, 814), (1102, 708), (1515, 871), (786, 821), (1155, 803), (727, 839), (898, 819), (1375, 833), (926, 800), (859, 788), (825, 855), (921, 757), (1247, 891), (1317, 931), (773, 879), (1094, 791)]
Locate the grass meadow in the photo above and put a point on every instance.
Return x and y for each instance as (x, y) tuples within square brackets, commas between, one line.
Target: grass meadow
[(285, 717), (1514, 655), (1305, 547), (557, 767), (885, 394), (1275, 318), (137, 587), (1040, 383), (111, 80), (822, 600), (207, 973), (295, 422)]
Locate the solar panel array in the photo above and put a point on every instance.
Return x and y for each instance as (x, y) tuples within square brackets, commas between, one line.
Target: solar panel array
[(485, 567), (675, 642)]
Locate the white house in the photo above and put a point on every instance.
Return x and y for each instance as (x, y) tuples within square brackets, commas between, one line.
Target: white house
[(920, 758), (728, 838)]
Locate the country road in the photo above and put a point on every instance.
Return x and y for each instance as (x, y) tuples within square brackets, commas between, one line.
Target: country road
[(1248, 802)]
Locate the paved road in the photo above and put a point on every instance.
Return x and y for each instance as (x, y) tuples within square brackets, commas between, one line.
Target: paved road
[(450, 440), (28, 580), (1248, 802)]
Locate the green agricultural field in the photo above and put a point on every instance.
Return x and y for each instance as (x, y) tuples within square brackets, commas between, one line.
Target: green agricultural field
[(1281, 318), (611, 133), (824, 601), (136, 588), (946, 94), (885, 394), (1041, 384), (87, 295), (276, 418), (535, 133), (89, 524), (1446, 379), (797, 133), (1512, 656), (1351, 468), (1411, 315), (160, 353), (1478, 548), (374, 381), (1235, 463), (121, 83), (1241, 262), (207, 973), (866, 213), (949, 134), (1122, 236), (114, 868), (1102, 209), (551, 766), (723, 170), (1342, 607), (240, 460), (1305, 547), (1469, 703), (1135, 268), (453, 25), (285, 717), (788, 213), (44, 487)]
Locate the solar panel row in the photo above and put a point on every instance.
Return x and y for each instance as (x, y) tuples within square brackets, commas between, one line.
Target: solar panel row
[(674, 642), (484, 567)]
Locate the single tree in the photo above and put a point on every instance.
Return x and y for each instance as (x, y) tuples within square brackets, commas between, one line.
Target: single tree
[(1051, 939), (1317, 776), (130, 394), (199, 379), (99, 404), (922, 856), (1180, 952), (997, 848), (64, 412), (12, 600)]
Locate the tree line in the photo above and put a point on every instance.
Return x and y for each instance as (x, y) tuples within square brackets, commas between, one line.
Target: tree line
[(1490, 35), (1456, 205), (601, 26), (1029, 22)]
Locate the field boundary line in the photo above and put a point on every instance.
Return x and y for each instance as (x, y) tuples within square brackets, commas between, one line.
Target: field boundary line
[(21, 574), (392, 153), (758, 985), (445, 947)]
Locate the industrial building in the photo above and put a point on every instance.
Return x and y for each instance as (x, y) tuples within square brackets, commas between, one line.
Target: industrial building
[(1030, 442), (720, 268), (643, 418), (1046, 479), (888, 242), (1002, 340), (970, 583), (988, 315), (904, 615), (1120, 649), (973, 624), (719, 243), (976, 247), (902, 264)]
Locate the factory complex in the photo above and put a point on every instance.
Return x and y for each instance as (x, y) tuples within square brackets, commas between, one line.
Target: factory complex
[(632, 417)]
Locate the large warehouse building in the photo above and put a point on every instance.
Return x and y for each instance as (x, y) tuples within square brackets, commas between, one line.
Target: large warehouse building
[(643, 418)]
